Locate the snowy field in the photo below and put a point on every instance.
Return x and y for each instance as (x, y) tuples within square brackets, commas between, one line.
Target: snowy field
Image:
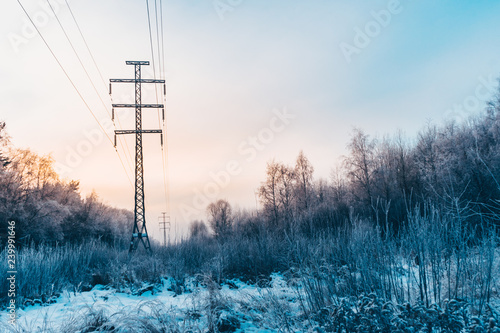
[(233, 307), (277, 306)]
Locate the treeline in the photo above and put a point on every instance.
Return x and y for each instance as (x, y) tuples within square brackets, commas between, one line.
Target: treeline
[(47, 209), (412, 221), (453, 169), (408, 220)]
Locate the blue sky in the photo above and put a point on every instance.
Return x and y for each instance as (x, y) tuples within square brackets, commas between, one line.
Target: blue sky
[(229, 74)]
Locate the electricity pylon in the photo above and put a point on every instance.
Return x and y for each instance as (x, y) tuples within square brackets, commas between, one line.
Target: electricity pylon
[(139, 231), (165, 226)]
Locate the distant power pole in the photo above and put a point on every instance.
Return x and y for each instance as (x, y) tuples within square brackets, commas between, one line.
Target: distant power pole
[(139, 231), (165, 226)]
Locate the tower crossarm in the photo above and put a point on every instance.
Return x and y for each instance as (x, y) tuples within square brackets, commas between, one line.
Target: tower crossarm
[(151, 106), (136, 81)]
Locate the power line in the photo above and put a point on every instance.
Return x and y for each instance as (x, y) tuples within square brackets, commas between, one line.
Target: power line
[(86, 45), (164, 150), (163, 153), (166, 170), (166, 184), (162, 39), (100, 73), (83, 66), (152, 56), (72, 83), (128, 157), (78, 57), (158, 38)]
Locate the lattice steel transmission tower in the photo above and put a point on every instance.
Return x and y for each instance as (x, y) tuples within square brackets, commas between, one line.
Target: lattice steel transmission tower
[(139, 231), (165, 226)]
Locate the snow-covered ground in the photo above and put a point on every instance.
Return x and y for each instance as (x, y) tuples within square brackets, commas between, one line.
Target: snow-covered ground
[(277, 306), (235, 306)]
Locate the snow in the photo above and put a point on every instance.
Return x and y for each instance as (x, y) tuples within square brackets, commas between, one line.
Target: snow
[(191, 303), (234, 306)]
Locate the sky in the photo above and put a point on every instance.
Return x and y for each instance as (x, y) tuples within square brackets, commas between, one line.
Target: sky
[(247, 82)]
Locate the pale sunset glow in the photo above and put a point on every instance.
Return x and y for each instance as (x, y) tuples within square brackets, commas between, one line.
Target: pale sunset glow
[(246, 82)]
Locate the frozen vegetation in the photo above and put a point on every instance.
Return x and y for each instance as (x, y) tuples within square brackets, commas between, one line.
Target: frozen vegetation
[(277, 305), (403, 237)]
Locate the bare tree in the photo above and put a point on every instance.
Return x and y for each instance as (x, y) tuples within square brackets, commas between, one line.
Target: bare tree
[(277, 193), (304, 186), (360, 165), (426, 154), (198, 229), (269, 192), (220, 218), (4, 142), (403, 163), (286, 184)]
